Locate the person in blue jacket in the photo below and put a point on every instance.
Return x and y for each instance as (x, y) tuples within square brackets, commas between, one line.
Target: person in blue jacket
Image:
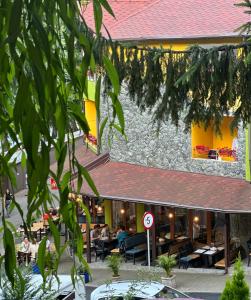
[(122, 234)]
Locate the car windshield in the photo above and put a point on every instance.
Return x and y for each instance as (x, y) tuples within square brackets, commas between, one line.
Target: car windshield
[(168, 293)]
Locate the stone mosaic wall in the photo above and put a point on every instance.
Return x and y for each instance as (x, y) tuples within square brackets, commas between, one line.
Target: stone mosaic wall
[(170, 149)]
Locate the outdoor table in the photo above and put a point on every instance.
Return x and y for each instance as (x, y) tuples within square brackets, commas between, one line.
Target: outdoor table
[(163, 245), (110, 243), (210, 255), (35, 230)]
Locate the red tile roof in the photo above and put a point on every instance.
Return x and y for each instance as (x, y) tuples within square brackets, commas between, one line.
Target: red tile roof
[(170, 19), (128, 182), (84, 155)]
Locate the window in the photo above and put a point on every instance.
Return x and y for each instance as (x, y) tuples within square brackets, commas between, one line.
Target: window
[(208, 145)]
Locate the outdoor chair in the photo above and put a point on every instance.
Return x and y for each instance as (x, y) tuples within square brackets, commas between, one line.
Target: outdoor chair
[(100, 250), (249, 250)]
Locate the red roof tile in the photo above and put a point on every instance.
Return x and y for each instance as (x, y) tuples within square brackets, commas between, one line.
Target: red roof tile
[(123, 181), (168, 19), (84, 155)]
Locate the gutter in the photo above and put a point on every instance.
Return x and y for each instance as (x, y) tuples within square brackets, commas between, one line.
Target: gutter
[(181, 38), (167, 203)]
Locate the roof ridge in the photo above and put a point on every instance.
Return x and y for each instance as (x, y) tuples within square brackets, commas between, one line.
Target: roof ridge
[(135, 13)]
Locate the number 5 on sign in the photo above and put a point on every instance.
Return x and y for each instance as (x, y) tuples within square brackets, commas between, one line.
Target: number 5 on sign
[(148, 221)]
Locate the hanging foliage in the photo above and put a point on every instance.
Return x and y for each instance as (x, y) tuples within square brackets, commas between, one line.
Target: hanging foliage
[(205, 84)]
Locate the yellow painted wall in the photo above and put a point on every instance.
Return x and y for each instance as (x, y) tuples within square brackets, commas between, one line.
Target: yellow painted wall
[(201, 137), (140, 210), (227, 136), (108, 212), (209, 138), (91, 116), (183, 44)]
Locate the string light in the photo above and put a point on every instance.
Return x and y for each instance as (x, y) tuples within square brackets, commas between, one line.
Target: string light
[(122, 211)]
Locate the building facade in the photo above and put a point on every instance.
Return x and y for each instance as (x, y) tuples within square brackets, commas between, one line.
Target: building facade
[(176, 25)]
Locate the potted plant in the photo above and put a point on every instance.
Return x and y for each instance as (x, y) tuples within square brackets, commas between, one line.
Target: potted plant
[(114, 262), (167, 263)]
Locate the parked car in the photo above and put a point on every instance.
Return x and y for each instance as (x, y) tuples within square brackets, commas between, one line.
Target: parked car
[(63, 288), (136, 290)]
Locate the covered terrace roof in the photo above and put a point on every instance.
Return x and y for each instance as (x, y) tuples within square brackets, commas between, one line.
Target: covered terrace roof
[(129, 182)]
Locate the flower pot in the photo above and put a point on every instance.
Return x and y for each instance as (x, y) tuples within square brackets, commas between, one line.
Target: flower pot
[(86, 276), (169, 281), (115, 277)]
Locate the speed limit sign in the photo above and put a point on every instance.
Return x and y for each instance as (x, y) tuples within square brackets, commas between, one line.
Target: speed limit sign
[(148, 220)]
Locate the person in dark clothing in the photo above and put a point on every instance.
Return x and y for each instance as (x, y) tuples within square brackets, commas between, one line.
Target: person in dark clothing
[(7, 199)]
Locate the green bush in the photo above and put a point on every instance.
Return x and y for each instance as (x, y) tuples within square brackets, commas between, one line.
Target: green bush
[(167, 263), (237, 288), (114, 262)]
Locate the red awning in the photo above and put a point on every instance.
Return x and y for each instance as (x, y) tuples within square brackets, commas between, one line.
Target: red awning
[(129, 182)]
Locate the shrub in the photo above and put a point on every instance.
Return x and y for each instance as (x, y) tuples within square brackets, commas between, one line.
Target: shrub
[(167, 263), (114, 262), (237, 288)]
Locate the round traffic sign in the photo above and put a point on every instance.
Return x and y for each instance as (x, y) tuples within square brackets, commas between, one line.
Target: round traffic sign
[(148, 220)]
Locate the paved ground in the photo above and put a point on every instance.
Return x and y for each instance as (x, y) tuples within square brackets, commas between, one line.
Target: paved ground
[(191, 280)]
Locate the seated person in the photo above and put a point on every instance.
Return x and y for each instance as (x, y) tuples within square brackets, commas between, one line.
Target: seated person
[(95, 232), (34, 249), (25, 246), (53, 212), (48, 245), (122, 234), (105, 233)]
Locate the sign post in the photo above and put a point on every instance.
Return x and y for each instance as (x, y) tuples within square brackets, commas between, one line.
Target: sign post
[(148, 221)]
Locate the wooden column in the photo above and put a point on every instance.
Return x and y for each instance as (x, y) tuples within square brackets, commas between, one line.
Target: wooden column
[(190, 224), (154, 253), (172, 223), (94, 212), (88, 238), (209, 227), (227, 241), (124, 206)]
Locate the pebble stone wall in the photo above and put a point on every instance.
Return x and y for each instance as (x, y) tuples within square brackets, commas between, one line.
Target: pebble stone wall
[(170, 149)]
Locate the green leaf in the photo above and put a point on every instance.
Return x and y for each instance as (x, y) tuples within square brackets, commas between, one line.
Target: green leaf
[(23, 160), (112, 73), (102, 127), (97, 97), (119, 111), (40, 258), (66, 179), (14, 22), (98, 15), (56, 235), (10, 254), (107, 7), (82, 170)]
